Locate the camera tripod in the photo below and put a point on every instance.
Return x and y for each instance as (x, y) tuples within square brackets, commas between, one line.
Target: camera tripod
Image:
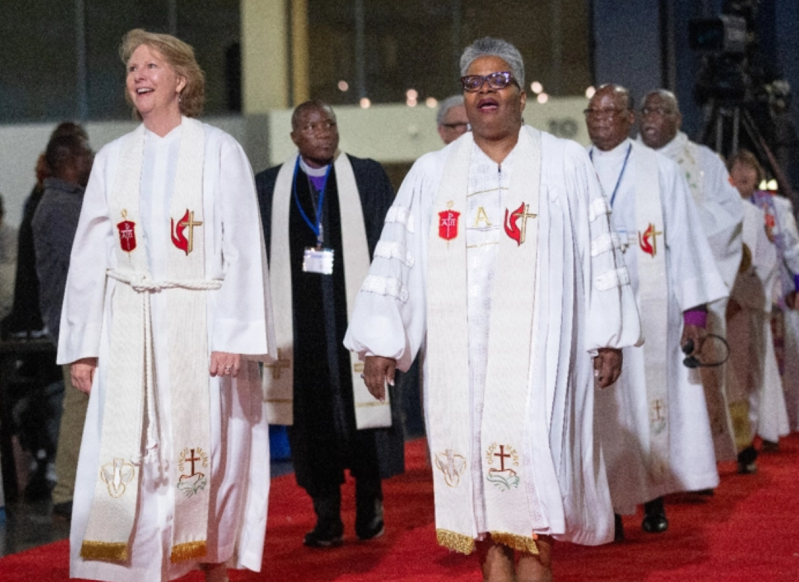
[(723, 133)]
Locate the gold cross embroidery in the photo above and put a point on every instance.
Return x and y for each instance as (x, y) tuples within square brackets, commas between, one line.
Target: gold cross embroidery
[(277, 365)]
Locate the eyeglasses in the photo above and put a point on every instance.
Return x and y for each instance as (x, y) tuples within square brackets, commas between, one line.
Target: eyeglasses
[(500, 80), (657, 111), (602, 113)]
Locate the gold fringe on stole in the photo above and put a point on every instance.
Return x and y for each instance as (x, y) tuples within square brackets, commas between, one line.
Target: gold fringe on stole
[(517, 542), (455, 541), (188, 551), (108, 551)]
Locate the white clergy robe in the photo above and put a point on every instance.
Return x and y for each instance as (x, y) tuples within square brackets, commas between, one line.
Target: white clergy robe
[(624, 413), (582, 302), (786, 238), (756, 398), (721, 214), (239, 321)]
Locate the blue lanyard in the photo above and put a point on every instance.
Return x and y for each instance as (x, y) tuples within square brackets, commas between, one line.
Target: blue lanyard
[(624, 167), (316, 228)]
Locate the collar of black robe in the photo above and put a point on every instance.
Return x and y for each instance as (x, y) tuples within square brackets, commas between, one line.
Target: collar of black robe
[(315, 226)]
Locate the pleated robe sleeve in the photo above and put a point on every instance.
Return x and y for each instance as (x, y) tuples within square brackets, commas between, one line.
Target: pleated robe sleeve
[(389, 318), (612, 319)]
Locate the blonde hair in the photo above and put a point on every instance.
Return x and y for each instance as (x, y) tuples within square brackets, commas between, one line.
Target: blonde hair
[(180, 57)]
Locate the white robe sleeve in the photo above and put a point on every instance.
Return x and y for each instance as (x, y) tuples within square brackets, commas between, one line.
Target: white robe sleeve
[(242, 316), (724, 205), (389, 318), (92, 253), (613, 319), (789, 233), (693, 272)]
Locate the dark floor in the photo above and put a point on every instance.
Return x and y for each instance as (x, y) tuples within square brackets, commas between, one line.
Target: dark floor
[(30, 524)]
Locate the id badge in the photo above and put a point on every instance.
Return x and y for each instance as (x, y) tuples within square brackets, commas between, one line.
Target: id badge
[(318, 261)]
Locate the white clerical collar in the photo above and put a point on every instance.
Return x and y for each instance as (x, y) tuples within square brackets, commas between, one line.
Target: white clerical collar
[(619, 151), (309, 171)]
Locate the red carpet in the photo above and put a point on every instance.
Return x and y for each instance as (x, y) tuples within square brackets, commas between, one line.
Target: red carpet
[(748, 531)]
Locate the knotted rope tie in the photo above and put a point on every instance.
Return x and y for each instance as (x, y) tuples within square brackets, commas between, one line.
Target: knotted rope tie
[(141, 283)]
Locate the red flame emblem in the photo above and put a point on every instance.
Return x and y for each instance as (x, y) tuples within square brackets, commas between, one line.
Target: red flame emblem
[(648, 240)]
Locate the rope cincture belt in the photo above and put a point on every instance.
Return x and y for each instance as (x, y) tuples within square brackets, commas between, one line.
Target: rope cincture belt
[(95, 547), (140, 283)]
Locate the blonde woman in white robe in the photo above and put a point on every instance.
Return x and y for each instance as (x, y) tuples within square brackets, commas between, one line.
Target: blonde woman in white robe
[(165, 317)]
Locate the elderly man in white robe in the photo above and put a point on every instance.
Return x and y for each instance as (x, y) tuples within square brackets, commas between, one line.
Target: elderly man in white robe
[(653, 424), (165, 316), (451, 119), (720, 218), (497, 255)]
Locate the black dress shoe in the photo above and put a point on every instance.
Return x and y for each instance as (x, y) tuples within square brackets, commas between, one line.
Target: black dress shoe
[(329, 535), (746, 461), (618, 528), (655, 517), (329, 529), (769, 446), (369, 523)]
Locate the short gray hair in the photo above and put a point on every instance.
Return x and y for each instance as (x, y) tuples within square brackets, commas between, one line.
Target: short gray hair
[(666, 95), (446, 105), (494, 47)]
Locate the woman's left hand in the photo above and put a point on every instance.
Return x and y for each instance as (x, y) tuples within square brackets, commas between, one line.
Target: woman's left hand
[(225, 364)]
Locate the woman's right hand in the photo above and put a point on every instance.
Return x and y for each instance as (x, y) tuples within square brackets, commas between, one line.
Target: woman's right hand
[(82, 372)]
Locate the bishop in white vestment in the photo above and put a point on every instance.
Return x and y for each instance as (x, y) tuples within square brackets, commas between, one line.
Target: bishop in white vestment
[(518, 462), (653, 423), (721, 215), (498, 258)]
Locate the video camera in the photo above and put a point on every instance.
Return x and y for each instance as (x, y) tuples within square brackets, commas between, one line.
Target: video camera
[(730, 45)]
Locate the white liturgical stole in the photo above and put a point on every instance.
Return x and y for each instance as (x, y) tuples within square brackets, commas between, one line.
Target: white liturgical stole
[(495, 456), (130, 406), (278, 376), (652, 300)]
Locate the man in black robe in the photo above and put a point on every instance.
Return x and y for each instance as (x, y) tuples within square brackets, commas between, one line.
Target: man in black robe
[(324, 439)]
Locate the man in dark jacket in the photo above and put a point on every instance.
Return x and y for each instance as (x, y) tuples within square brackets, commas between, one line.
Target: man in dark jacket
[(312, 210)]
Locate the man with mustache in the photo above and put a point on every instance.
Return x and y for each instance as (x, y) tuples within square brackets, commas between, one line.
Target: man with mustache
[(654, 427)]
